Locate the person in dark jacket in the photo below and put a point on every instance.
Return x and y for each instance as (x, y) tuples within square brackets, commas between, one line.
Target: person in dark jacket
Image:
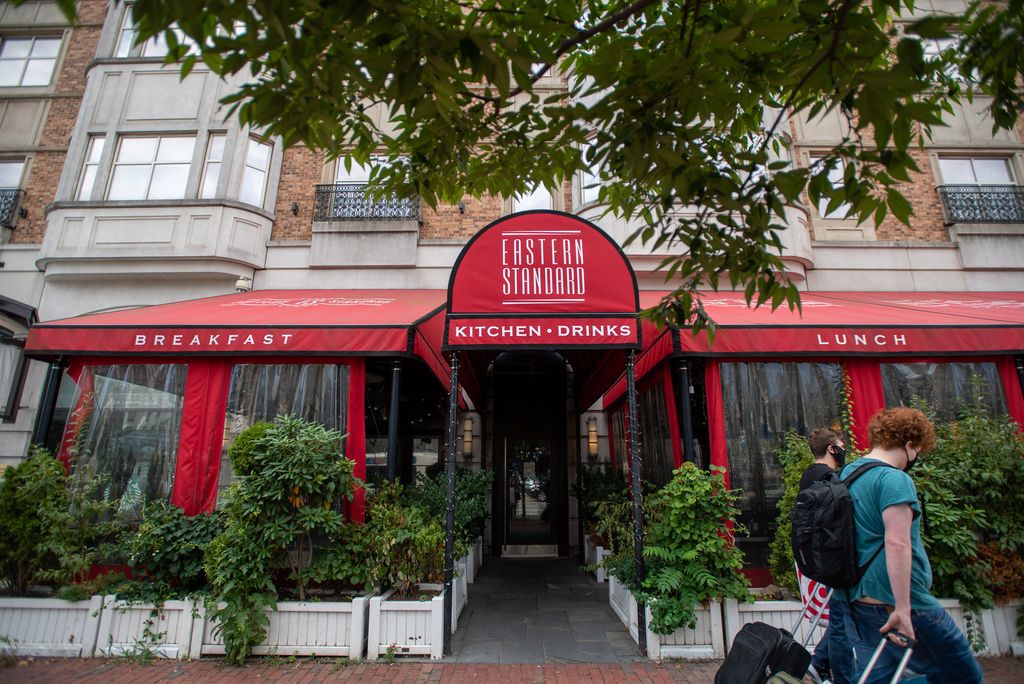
[(829, 453)]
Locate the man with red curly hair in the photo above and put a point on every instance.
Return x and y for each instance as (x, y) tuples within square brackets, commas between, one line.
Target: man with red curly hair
[(894, 593)]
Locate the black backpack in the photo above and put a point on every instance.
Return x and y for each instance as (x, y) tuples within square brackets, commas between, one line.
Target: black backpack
[(824, 532)]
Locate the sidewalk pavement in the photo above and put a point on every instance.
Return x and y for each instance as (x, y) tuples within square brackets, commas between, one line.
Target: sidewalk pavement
[(316, 671)]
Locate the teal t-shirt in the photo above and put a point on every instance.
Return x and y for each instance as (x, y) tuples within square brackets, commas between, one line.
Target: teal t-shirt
[(872, 493)]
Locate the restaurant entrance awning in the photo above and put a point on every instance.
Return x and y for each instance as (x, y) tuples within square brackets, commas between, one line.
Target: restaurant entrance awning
[(260, 323), (844, 324)]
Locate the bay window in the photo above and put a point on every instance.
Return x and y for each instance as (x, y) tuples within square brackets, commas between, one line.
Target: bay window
[(154, 167)]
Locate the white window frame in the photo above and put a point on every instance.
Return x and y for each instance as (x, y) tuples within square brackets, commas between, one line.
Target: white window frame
[(90, 167), (213, 165), (533, 199), (972, 159), (151, 164), (248, 168), (12, 63)]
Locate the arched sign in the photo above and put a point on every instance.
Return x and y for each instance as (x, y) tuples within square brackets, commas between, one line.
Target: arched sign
[(542, 279)]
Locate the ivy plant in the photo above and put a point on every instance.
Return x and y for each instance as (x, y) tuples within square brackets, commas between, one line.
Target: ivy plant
[(168, 546), (794, 455), (596, 486)]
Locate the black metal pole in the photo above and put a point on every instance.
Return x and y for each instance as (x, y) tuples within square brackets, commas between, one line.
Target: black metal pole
[(449, 504), (396, 387), (638, 509), (1019, 361), (686, 413), (47, 402)]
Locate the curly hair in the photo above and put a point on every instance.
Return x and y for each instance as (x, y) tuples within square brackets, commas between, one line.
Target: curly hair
[(821, 439), (894, 427)]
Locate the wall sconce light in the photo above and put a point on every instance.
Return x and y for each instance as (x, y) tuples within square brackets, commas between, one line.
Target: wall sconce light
[(467, 437), (295, 208), (592, 437), (462, 207), (243, 284)]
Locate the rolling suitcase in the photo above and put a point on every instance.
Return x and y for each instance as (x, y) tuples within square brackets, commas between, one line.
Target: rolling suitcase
[(900, 668), (760, 651)]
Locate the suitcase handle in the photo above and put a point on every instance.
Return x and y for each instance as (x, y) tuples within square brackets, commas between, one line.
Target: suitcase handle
[(908, 645)]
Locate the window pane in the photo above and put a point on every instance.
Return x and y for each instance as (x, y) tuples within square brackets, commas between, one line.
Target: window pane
[(956, 171), (155, 47), (993, 171), (10, 173), (135, 150), (10, 72), (124, 427), (9, 355), (258, 155), (124, 42), (16, 47), (313, 392), (658, 459), (88, 181), (210, 181), (176, 149), (46, 47), (944, 387), (38, 72), (762, 401), (359, 174), (252, 186), (130, 181), (216, 151), (95, 149), (539, 198), (169, 181)]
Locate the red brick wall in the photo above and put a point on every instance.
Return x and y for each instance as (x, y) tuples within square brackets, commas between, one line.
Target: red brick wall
[(447, 222), (301, 170), (61, 114)]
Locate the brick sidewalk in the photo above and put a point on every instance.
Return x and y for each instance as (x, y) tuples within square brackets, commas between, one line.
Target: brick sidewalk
[(304, 671)]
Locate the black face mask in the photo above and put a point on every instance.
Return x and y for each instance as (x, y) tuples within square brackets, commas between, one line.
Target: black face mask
[(910, 464), (839, 454)]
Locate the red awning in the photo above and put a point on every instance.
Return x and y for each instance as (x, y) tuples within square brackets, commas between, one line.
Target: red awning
[(263, 322), (846, 324)]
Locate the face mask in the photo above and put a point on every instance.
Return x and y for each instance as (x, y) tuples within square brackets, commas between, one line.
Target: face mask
[(839, 454), (910, 464)]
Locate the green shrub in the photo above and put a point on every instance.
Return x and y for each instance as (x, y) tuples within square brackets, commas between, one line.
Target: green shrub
[(168, 546), (406, 543), (795, 457), (597, 486), (972, 487), (241, 452), (472, 490), (28, 490), (689, 551), (285, 515)]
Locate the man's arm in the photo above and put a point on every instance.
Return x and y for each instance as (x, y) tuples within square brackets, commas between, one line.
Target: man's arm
[(897, 520)]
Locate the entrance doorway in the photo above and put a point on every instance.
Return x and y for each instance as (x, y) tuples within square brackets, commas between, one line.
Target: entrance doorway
[(530, 448)]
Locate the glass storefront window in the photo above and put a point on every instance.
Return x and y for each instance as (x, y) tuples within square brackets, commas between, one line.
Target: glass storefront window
[(124, 426), (260, 391), (761, 402), (944, 387)]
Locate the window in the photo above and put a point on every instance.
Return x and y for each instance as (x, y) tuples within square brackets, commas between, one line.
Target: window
[(590, 177), (123, 427), (214, 159), (538, 198), (254, 175), (12, 370), (762, 401), (977, 171), (92, 163), (835, 178), (154, 47), (358, 173), (944, 387), (151, 168), (313, 392), (653, 416), (10, 173), (28, 61)]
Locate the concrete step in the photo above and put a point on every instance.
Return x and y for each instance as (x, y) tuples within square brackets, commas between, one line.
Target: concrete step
[(529, 551)]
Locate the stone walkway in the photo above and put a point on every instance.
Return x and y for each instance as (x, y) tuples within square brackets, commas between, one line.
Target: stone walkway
[(536, 611)]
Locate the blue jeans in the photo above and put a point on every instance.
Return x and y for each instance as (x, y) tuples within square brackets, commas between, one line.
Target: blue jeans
[(942, 654), (840, 644)]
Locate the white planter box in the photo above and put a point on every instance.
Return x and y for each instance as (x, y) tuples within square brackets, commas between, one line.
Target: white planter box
[(460, 585), (327, 628), (1001, 627), (595, 555), (704, 641), (781, 614), (132, 628), (589, 557), (406, 627), (51, 627)]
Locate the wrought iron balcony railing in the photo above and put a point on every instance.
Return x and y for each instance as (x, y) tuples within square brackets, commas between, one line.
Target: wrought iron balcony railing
[(983, 203), (10, 198), (351, 202)]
